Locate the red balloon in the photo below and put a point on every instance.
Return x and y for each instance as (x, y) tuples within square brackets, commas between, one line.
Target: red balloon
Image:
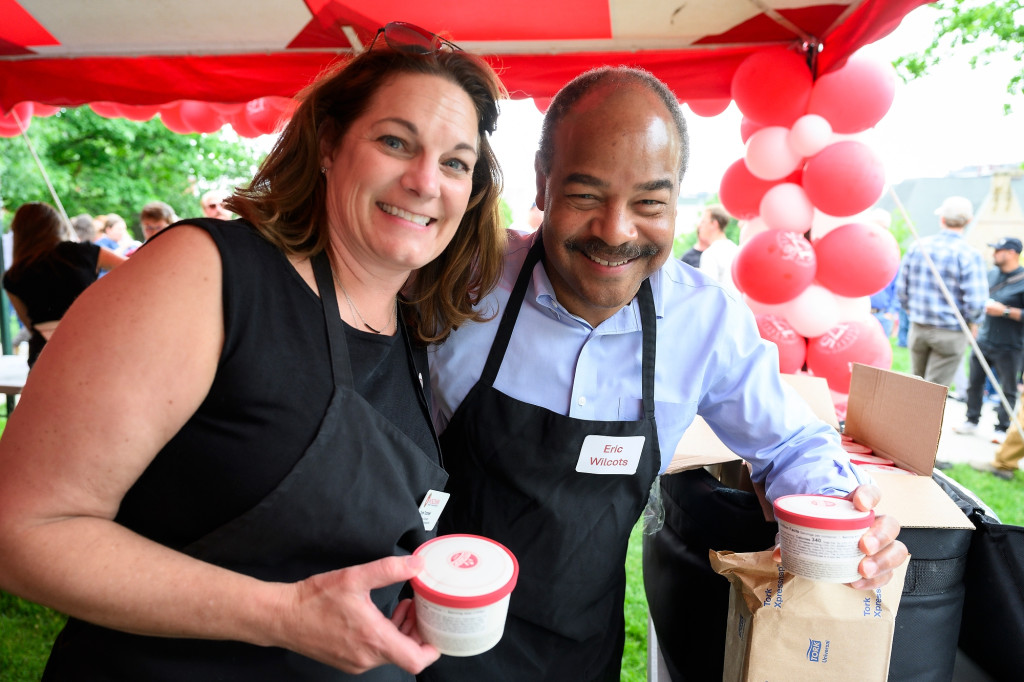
[(740, 191), (43, 110), (170, 116), (240, 122), (139, 112), (855, 97), (17, 120), (857, 259), (844, 178), (774, 266), (200, 116), (831, 355), (266, 114), (709, 107), (228, 108), (773, 86), (792, 346), (748, 127), (106, 109)]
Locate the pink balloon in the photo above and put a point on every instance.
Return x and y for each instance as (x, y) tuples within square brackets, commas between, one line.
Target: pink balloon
[(812, 312), (844, 178), (858, 259), (740, 192), (17, 120), (768, 156), (200, 116), (809, 135), (750, 228), (831, 355), (792, 347), (786, 207), (709, 107), (856, 96), (772, 86), (774, 266), (748, 127)]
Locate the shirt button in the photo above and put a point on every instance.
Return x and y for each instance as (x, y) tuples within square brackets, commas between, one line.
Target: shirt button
[(582, 401)]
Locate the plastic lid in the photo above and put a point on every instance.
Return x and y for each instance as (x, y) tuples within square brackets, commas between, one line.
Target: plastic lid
[(870, 459), (857, 448), (885, 469), (465, 571), (822, 511)]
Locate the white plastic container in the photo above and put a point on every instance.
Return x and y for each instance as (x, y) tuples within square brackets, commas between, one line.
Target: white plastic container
[(881, 468), (462, 593), (870, 459), (819, 536)]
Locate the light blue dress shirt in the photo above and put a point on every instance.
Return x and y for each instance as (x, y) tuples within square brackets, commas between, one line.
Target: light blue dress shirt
[(711, 361)]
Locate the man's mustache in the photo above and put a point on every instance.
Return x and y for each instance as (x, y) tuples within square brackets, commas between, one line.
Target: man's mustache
[(597, 248)]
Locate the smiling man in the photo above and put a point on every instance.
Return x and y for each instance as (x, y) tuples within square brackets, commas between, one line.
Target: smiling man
[(560, 412)]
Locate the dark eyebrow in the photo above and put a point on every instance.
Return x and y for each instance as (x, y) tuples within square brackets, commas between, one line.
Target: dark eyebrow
[(411, 127), (584, 179), (651, 186), (655, 185)]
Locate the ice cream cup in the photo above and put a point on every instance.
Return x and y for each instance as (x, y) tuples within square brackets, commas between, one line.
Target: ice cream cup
[(462, 593), (820, 535)]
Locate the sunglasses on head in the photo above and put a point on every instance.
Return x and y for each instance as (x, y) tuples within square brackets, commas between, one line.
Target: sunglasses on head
[(409, 38)]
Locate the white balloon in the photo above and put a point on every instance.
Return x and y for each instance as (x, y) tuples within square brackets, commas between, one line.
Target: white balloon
[(853, 309), (768, 156), (813, 312), (809, 135), (759, 308), (786, 207), (752, 227), (823, 223)]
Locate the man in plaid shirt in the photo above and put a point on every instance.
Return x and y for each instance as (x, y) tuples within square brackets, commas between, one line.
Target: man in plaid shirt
[(936, 341)]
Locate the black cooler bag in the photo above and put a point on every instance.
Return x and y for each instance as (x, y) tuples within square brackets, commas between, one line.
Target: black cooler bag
[(689, 602)]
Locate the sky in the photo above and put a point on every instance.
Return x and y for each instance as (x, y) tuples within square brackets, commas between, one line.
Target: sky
[(949, 120)]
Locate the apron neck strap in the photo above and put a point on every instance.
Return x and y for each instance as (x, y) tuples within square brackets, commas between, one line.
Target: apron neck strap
[(341, 367), (648, 323)]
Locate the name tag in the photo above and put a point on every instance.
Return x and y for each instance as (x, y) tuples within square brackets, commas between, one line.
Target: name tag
[(431, 507), (610, 455)]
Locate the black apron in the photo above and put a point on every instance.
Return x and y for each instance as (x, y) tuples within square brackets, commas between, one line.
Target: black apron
[(353, 497), (513, 478)]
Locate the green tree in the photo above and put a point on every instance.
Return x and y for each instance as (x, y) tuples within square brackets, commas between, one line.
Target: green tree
[(99, 165), (977, 30)]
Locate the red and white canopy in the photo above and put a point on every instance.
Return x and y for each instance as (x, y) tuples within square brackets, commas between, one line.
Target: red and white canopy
[(232, 51)]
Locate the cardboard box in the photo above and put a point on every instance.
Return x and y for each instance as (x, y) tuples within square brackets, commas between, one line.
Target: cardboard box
[(897, 415)]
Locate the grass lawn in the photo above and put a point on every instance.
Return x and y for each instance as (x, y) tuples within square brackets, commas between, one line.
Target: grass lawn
[(28, 630)]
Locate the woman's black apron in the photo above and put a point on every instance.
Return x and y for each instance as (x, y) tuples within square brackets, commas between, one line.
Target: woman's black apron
[(353, 497), (512, 477)]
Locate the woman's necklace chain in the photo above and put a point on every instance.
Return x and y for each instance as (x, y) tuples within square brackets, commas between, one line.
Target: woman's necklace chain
[(352, 306)]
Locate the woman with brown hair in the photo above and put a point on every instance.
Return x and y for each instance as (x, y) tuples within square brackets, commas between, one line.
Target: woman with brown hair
[(48, 271), (257, 524)]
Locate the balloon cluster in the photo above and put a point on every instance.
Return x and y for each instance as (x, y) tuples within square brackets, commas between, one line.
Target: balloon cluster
[(249, 119), (809, 259)]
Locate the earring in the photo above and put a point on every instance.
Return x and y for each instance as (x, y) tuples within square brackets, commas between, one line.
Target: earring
[(323, 170)]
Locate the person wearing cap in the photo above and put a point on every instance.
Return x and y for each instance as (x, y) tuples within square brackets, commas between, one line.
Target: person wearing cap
[(1001, 338), (936, 339)]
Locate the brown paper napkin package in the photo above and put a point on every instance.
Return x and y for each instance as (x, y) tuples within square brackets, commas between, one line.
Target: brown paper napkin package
[(786, 628)]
